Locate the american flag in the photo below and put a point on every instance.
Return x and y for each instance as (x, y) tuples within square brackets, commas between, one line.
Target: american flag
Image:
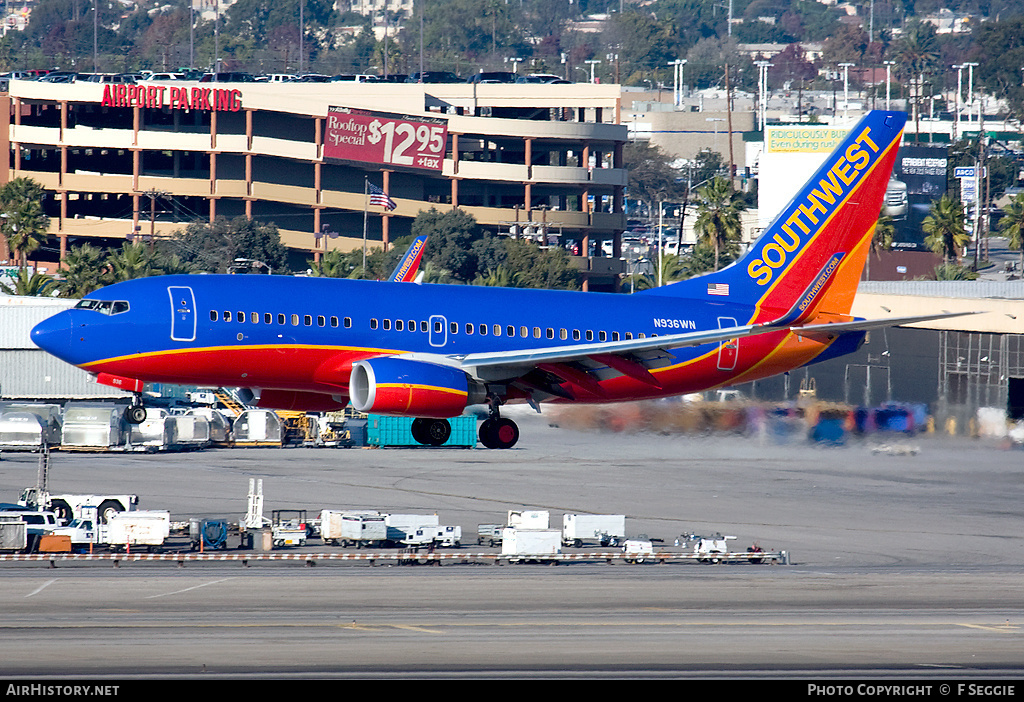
[(379, 197), (718, 288)]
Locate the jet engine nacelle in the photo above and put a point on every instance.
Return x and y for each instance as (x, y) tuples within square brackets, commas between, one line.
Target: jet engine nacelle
[(399, 386)]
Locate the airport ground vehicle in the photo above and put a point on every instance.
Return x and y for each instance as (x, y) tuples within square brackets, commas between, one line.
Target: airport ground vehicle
[(446, 536), (68, 506), (81, 531), (637, 550), (347, 528), (489, 534), (208, 534), (605, 529), (399, 526), (711, 548), (288, 527)]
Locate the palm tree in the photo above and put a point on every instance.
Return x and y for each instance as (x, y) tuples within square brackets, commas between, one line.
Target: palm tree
[(24, 223), (945, 229), (132, 261), (1012, 226), (332, 264), (85, 270), (718, 216), (501, 276)]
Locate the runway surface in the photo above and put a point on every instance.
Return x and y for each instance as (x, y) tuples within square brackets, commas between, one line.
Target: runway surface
[(901, 565)]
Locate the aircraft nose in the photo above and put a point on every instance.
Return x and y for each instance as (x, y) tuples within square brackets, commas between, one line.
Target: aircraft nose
[(53, 334)]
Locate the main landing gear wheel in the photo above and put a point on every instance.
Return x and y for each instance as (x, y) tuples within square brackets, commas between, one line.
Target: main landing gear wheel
[(499, 433), (431, 432)]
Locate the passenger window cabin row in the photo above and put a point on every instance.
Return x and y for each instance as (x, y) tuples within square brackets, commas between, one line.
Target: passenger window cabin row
[(511, 330), (469, 328), (296, 320)]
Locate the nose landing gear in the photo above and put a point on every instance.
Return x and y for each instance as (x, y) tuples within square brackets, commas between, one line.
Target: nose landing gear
[(135, 412)]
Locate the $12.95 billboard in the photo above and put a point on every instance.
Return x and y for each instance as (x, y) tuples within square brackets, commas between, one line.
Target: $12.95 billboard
[(385, 138)]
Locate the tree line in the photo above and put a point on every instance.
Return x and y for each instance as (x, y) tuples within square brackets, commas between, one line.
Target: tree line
[(634, 45)]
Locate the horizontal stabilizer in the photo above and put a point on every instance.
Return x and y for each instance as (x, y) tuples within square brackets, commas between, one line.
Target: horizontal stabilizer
[(865, 324)]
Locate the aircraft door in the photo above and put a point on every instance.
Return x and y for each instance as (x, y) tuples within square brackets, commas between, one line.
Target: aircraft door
[(438, 330), (183, 313), (728, 351)]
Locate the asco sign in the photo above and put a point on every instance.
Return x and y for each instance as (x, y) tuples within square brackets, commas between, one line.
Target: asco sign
[(385, 138), (172, 96)]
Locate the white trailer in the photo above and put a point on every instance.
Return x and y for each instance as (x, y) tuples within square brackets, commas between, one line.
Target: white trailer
[(149, 528), (528, 519), (447, 536), (400, 526), (348, 528), (605, 529), (530, 544)]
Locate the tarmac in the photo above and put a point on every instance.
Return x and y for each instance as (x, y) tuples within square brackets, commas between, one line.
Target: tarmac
[(905, 562)]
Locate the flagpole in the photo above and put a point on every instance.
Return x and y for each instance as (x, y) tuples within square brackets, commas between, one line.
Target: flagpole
[(366, 210)]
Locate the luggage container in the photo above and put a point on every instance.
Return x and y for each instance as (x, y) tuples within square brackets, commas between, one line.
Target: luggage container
[(13, 533), (158, 432), (93, 427), (397, 431), (217, 425), (257, 427), (191, 431), (29, 426)]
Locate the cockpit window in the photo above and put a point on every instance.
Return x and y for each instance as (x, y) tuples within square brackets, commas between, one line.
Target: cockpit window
[(108, 307)]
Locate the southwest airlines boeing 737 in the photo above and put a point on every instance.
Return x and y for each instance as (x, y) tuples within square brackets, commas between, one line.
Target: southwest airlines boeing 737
[(430, 351)]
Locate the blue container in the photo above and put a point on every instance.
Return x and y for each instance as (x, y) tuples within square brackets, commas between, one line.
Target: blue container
[(397, 431), (829, 431)]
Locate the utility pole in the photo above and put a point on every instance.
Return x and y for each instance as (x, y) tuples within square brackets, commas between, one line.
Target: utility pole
[(153, 195), (728, 113)]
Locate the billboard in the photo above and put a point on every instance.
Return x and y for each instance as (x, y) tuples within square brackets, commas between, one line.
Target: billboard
[(918, 179), (385, 138)]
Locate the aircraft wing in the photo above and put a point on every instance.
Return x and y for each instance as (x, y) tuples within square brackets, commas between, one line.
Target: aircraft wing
[(576, 352)]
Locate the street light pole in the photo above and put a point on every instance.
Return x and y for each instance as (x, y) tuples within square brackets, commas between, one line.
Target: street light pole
[(762, 90), (888, 81), (970, 88), (846, 88), (592, 62)]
